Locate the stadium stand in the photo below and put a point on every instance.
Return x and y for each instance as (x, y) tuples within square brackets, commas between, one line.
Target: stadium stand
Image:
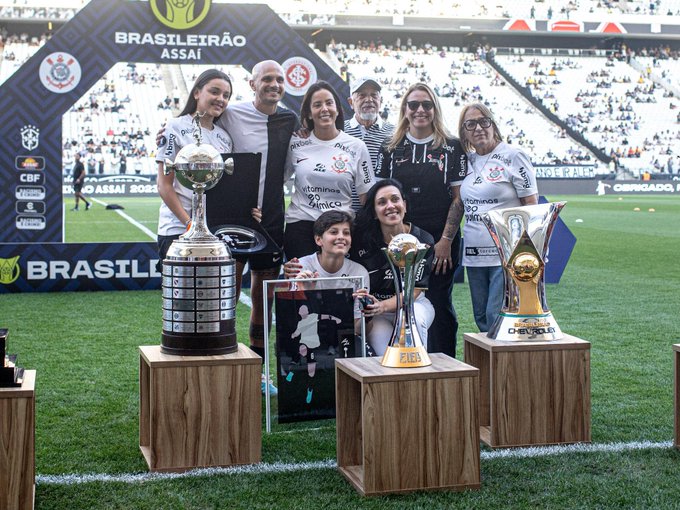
[(625, 108)]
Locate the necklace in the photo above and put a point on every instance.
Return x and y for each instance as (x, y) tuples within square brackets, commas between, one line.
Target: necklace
[(479, 171)]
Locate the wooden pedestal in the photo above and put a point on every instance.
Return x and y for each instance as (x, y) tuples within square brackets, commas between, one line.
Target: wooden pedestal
[(676, 421), (198, 411), (407, 429), (17, 445), (532, 393)]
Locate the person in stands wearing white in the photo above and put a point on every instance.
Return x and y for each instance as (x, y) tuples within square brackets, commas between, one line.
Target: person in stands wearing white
[(499, 176), (208, 98), (326, 164)]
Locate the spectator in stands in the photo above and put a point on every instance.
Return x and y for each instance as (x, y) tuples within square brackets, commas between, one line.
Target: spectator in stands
[(430, 164), (208, 99), (366, 123), (326, 164), (78, 181), (499, 176)]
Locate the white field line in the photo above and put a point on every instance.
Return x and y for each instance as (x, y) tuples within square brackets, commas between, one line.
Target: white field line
[(287, 467), (137, 224)]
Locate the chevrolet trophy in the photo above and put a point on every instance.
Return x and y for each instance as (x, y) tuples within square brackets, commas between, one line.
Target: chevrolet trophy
[(10, 374), (199, 290), (521, 235), (405, 348)]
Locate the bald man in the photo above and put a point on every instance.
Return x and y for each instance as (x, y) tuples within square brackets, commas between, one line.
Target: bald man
[(262, 126)]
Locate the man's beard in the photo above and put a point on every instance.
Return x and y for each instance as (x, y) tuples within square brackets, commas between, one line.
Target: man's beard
[(368, 116)]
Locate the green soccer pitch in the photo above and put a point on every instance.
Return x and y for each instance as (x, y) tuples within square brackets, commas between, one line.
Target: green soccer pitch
[(619, 291)]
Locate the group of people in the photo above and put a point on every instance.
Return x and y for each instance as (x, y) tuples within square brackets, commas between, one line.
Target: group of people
[(358, 183)]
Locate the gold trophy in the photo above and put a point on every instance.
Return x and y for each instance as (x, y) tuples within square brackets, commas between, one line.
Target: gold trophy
[(521, 235), (405, 349), (199, 289)]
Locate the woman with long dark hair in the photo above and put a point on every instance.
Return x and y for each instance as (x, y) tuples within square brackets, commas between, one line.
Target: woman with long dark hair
[(380, 219), (208, 98), (326, 164)]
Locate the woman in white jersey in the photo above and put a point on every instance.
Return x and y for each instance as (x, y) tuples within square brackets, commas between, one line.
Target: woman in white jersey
[(326, 164), (499, 176), (208, 98)]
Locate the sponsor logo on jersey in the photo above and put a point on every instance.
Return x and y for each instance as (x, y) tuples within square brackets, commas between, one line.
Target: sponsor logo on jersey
[(501, 158), (319, 167), (523, 173)]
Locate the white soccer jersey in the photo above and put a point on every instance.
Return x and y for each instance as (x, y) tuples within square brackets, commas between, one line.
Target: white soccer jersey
[(324, 173), (178, 133), (494, 181), (349, 268)]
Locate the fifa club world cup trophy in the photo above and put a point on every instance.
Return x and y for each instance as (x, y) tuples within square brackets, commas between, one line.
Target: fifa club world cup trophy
[(405, 349), (199, 289), (521, 235)]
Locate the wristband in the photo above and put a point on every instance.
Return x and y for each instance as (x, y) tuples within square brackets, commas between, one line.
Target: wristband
[(447, 238)]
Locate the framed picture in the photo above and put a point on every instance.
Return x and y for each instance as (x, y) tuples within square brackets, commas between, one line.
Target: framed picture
[(317, 321)]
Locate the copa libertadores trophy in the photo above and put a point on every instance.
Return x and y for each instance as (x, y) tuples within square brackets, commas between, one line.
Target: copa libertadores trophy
[(199, 308), (405, 349), (521, 235)]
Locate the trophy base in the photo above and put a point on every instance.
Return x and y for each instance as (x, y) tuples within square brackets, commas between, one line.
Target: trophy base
[(11, 377), (406, 357), (511, 327), (198, 345)]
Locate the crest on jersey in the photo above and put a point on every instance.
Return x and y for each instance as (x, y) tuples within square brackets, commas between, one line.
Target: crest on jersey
[(340, 163)]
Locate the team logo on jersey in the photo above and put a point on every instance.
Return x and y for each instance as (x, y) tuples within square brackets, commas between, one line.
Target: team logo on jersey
[(340, 164), (60, 72), (9, 270), (438, 161), (180, 14), (495, 174), (30, 137), (300, 73)]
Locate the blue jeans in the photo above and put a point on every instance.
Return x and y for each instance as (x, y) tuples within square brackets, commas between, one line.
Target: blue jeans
[(486, 290)]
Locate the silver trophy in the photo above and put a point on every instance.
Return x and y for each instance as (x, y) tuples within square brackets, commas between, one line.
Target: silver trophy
[(405, 255), (199, 286), (521, 235)]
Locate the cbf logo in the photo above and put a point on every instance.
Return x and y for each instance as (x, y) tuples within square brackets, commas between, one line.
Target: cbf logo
[(300, 73), (180, 14), (9, 270), (60, 72), (30, 137)]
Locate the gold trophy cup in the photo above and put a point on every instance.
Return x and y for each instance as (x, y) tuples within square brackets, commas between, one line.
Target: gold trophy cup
[(405, 349)]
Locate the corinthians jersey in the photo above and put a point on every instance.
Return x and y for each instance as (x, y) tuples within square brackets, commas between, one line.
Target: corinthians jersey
[(178, 133), (495, 181), (324, 173)]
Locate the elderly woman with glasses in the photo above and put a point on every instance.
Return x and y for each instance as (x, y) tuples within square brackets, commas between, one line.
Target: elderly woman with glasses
[(499, 176), (430, 164)]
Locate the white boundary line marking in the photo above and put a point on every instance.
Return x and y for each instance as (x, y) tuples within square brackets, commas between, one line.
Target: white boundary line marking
[(287, 467), (134, 222)]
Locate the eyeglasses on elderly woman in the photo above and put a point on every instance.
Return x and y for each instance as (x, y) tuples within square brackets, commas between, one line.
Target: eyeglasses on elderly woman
[(471, 125)]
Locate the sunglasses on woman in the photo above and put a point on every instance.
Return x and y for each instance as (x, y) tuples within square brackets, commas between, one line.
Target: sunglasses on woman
[(471, 125), (414, 105)]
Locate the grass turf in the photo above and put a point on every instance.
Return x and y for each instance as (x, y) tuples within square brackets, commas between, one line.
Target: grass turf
[(619, 292)]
